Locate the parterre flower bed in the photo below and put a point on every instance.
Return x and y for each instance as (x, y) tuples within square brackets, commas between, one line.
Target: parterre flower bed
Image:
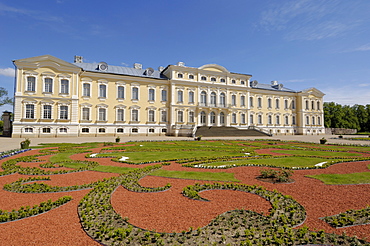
[(139, 209)]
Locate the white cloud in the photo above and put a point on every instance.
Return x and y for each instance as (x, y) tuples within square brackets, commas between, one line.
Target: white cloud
[(364, 85), (9, 72), (347, 95), (365, 47)]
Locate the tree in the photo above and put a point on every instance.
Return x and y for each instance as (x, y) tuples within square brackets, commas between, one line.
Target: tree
[(5, 100)]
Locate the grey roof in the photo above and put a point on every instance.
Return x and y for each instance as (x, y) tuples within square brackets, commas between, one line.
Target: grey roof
[(272, 87), (93, 67)]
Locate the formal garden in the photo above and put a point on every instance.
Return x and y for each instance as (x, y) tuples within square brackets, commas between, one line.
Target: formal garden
[(221, 192)]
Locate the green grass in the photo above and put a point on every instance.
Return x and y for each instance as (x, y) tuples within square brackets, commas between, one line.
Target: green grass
[(219, 176), (342, 179), (316, 153), (278, 162), (61, 157)]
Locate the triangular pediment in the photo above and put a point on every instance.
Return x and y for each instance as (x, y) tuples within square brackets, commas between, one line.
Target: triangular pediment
[(313, 91)]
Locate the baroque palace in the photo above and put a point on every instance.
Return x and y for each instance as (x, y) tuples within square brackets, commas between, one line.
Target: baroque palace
[(55, 98)]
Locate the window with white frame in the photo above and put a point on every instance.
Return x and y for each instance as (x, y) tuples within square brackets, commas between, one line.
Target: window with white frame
[(319, 121), (191, 117), (286, 105), (151, 130), (28, 129), (277, 120), (120, 114), (85, 113), (163, 116), (102, 114), (151, 95), (293, 120), (233, 81), (277, 102), (233, 118), (203, 117), (307, 105), (203, 78), (222, 100), (213, 118), (286, 120), (48, 85), (251, 101), (134, 115), (151, 114), (180, 75), (222, 80), (203, 98), (63, 130), (222, 118), (313, 120), (269, 119), (242, 118), (312, 105), (213, 99), (85, 130), (191, 76), (318, 106), (233, 100), (293, 104), (135, 93), (120, 92), (213, 79), (102, 91), (63, 112), (120, 130), (242, 101), (242, 82), (86, 90), (180, 96), (260, 119), (251, 120), (180, 116), (64, 86), (31, 83), (30, 111), (307, 120), (164, 96), (46, 112), (259, 101), (101, 130), (269, 103), (134, 130), (191, 96), (46, 130)]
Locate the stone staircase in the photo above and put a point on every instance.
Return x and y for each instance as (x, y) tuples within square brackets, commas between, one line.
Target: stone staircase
[(224, 131)]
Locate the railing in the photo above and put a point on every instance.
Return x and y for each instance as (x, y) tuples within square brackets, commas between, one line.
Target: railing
[(260, 129)]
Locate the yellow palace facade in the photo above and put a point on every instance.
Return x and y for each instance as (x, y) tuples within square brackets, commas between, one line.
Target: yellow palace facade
[(55, 98)]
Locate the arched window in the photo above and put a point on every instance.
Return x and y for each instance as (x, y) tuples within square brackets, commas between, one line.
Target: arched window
[(313, 120), (180, 116), (269, 119), (222, 100), (233, 118), (277, 102), (213, 99), (318, 105), (203, 98), (203, 118), (180, 96), (222, 118), (191, 96), (269, 104)]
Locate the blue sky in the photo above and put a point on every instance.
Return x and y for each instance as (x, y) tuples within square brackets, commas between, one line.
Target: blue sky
[(300, 43)]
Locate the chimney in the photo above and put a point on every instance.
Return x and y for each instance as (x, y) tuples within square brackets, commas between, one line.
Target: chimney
[(138, 66), (78, 59), (274, 82)]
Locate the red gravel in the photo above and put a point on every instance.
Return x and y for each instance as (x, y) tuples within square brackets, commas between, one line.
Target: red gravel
[(169, 211)]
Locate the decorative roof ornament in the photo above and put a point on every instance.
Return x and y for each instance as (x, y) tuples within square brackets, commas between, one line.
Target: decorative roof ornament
[(103, 66)]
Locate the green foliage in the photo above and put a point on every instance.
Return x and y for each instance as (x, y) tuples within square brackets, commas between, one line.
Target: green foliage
[(219, 176), (3, 97)]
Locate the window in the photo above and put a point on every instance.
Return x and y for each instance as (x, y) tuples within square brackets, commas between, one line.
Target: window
[(47, 112), (151, 116), (286, 120), (213, 118), (313, 120), (259, 100), (203, 118), (269, 103), (242, 118), (63, 114), (251, 101), (48, 85), (191, 76), (242, 82), (293, 120), (213, 99), (46, 130), (151, 130), (222, 118), (213, 79), (222, 80), (293, 104), (286, 106), (164, 130), (119, 130), (277, 102), (180, 116), (318, 106), (260, 119), (233, 81), (31, 84), (269, 119), (164, 96), (64, 86), (319, 120), (135, 115), (163, 116), (101, 130), (277, 120), (222, 100), (134, 130), (28, 129), (180, 96), (85, 130), (120, 114), (233, 100), (312, 105), (180, 75), (204, 78), (191, 116), (242, 101), (102, 114), (203, 98), (233, 118), (307, 120), (151, 94), (191, 96), (135, 93), (251, 121), (85, 114), (120, 92), (306, 104), (63, 130), (86, 90), (102, 91)]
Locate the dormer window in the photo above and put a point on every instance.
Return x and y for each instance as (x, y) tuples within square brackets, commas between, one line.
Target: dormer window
[(213, 79), (204, 78), (191, 76), (222, 80), (233, 81), (180, 75), (242, 82)]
